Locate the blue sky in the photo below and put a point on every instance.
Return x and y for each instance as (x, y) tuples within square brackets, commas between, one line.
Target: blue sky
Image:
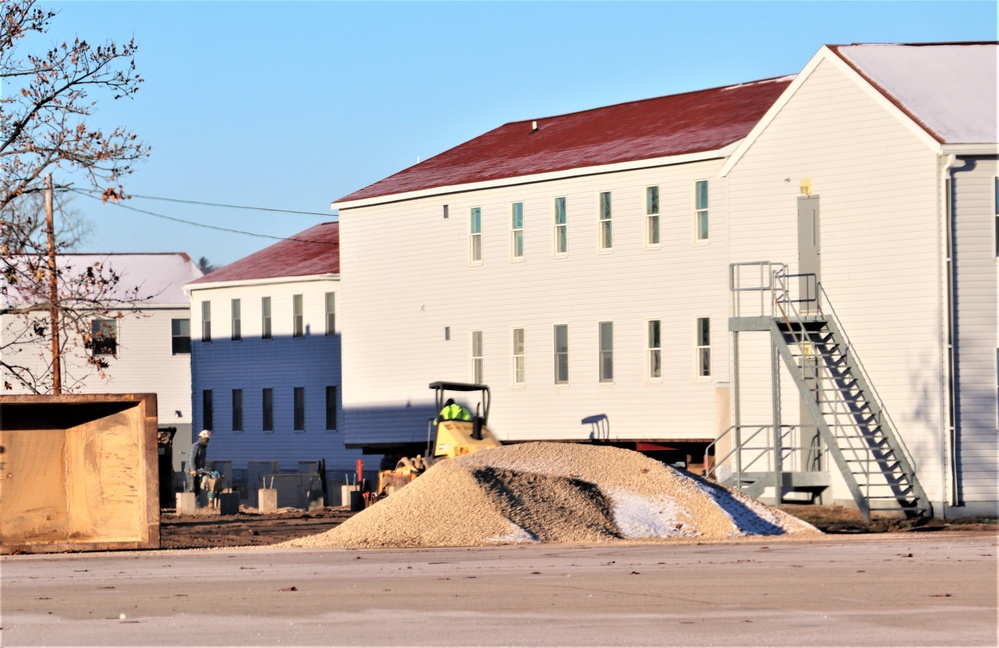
[(291, 105)]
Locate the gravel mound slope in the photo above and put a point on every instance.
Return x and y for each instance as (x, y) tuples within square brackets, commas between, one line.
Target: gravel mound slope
[(555, 492)]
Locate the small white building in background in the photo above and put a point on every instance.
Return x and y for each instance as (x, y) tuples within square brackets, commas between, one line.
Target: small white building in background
[(148, 349), (580, 265), (266, 355)]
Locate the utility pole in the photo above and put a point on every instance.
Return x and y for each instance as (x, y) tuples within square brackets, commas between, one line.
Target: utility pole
[(53, 287)]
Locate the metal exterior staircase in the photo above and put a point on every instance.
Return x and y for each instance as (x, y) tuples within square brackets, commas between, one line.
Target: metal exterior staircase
[(835, 390)]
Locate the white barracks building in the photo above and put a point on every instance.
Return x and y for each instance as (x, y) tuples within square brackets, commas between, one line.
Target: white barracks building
[(796, 276)]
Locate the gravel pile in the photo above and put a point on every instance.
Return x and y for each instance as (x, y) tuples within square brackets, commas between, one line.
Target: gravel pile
[(554, 492)]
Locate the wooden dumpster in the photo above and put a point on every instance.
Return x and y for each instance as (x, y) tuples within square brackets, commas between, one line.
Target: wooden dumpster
[(78, 473)]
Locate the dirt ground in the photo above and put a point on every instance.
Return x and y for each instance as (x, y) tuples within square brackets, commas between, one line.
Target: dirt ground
[(250, 527)]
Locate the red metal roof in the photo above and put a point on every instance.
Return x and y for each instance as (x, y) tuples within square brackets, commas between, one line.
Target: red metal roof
[(315, 251), (680, 124)]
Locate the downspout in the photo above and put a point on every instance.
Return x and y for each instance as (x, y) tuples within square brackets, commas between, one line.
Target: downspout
[(951, 459)]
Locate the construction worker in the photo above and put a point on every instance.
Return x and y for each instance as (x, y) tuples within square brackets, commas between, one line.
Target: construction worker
[(196, 460), (453, 412)]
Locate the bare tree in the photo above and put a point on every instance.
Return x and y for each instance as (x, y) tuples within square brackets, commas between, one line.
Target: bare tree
[(46, 105)]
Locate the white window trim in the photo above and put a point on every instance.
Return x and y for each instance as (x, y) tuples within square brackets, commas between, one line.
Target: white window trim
[(600, 222), (474, 237), (649, 245), (556, 226), (522, 356), (698, 347), (477, 361), (514, 232), (650, 349), (697, 212), (555, 353), (601, 351)]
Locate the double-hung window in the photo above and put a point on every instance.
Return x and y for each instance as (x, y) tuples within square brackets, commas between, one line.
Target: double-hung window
[(207, 410), (606, 335), (655, 342), (517, 231), (518, 357), (180, 336), (701, 210), (206, 321), (561, 354), (237, 333), (475, 235), (561, 233), (265, 318), (703, 353), (606, 241), (477, 359), (331, 405), (237, 410), (267, 409), (330, 313), (104, 337), (299, 409), (298, 317), (652, 216)]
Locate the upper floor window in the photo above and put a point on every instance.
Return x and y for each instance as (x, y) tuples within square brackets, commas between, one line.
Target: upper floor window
[(477, 360), (104, 337), (606, 242), (561, 233), (475, 235), (265, 318), (606, 335), (561, 354), (518, 357), (655, 343), (703, 350), (298, 317), (330, 313), (517, 231), (206, 321), (701, 210), (652, 216), (237, 333), (180, 336)]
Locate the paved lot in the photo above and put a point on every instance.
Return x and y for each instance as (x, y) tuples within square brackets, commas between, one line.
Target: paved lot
[(888, 590)]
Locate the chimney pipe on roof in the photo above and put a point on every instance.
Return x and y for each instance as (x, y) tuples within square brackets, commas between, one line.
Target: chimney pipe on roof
[(534, 126)]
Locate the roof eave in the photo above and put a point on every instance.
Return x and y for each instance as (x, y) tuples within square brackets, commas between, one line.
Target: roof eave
[(687, 158), (267, 281)]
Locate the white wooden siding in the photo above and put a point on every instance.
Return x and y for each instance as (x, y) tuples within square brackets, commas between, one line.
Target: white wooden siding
[(281, 363), (882, 254), (406, 277), (975, 292)]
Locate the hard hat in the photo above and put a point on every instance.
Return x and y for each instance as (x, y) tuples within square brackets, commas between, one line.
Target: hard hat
[(205, 434)]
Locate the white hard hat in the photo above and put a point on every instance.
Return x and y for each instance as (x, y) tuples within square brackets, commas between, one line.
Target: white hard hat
[(205, 434)]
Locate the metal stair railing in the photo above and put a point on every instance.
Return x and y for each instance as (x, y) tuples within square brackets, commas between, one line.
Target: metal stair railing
[(793, 457), (842, 402)]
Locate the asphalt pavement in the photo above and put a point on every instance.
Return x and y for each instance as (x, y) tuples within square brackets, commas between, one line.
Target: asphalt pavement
[(915, 589)]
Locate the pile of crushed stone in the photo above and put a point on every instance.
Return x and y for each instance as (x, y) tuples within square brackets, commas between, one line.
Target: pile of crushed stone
[(555, 492)]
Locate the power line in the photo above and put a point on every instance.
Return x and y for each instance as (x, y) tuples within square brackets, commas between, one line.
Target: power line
[(203, 225), (211, 204)]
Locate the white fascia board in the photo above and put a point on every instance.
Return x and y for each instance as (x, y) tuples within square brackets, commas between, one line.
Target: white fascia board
[(970, 149), (825, 54), (243, 283), (650, 163)]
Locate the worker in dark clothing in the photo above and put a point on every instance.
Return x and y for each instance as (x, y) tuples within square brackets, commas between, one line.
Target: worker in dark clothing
[(196, 460), (453, 412)]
